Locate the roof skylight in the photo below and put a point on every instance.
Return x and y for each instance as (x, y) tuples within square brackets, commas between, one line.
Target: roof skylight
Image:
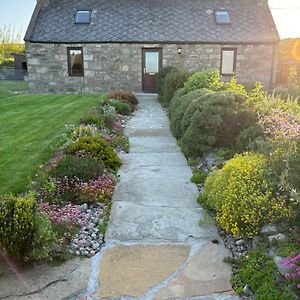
[(83, 17), (222, 16)]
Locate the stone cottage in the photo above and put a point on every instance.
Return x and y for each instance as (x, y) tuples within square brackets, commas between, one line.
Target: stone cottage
[(102, 45)]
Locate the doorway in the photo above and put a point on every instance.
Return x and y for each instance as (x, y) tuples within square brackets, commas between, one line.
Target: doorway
[(151, 64)]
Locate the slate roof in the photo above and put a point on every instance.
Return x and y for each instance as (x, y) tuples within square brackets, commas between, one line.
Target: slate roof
[(153, 21)]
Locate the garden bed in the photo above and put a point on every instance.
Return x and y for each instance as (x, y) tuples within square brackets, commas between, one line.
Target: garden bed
[(244, 149), (65, 210)]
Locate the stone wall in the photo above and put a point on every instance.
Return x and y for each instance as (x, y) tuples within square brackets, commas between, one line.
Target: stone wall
[(119, 66)]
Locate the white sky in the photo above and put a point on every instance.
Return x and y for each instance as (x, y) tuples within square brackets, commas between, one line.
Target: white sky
[(286, 14)]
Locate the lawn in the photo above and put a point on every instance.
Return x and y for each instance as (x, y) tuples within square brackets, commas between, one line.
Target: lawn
[(30, 125)]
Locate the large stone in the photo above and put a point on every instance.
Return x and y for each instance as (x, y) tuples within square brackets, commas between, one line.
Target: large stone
[(204, 274), (43, 281), (133, 270)]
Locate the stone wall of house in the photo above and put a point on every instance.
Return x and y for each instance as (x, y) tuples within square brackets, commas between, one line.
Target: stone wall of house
[(119, 66)]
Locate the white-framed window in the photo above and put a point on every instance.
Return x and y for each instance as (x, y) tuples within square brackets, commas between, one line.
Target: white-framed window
[(228, 61)]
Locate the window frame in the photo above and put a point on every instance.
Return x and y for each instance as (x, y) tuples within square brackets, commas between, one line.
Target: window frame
[(222, 23), (69, 49), (234, 60), (82, 10)]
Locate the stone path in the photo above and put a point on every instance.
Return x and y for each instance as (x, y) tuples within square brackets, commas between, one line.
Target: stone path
[(155, 248)]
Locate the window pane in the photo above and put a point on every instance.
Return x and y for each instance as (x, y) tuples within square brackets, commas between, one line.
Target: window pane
[(152, 62), (75, 62), (83, 16), (222, 17), (228, 62)]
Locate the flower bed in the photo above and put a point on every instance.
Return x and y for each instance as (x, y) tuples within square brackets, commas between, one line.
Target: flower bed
[(71, 194)]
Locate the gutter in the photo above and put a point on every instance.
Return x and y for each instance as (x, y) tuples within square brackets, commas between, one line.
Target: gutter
[(161, 42)]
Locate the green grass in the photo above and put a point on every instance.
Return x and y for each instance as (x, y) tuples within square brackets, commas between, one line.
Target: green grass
[(30, 126)]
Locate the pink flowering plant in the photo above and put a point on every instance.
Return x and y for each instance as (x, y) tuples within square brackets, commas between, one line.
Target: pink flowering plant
[(78, 191), (293, 263), (100, 189), (281, 125)]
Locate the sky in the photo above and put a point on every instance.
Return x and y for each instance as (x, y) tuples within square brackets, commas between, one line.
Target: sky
[(286, 13)]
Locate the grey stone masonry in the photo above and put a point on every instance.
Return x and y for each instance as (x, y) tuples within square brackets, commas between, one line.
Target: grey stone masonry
[(112, 66)]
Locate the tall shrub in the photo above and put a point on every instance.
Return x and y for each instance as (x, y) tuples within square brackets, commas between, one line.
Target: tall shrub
[(173, 81), (160, 78)]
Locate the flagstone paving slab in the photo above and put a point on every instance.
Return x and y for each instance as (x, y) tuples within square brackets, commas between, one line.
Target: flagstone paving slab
[(132, 270), (43, 281), (204, 274), (136, 222)]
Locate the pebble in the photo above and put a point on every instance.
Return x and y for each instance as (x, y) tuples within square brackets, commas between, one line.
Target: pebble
[(88, 241), (240, 242)]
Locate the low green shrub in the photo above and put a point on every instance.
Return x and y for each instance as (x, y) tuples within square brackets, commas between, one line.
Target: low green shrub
[(199, 177), (160, 78), (98, 148), (17, 224), (178, 111), (43, 238), (121, 108), (209, 79), (93, 117), (173, 81), (242, 197), (258, 271), (124, 96), (82, 168)]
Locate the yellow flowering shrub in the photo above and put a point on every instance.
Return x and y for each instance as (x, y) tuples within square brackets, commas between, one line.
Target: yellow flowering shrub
[(242, 197)]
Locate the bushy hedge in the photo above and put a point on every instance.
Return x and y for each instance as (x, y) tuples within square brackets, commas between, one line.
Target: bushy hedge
[(209, 79), (178, 109), (98, 148), (242, 197), (160, 78), (172, 82), (216, 121)]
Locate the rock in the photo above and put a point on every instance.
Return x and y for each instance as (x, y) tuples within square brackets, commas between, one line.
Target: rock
[(96, 246), (281, 268), (271, 252), (90, 226), (74, 247), (94, 236), (246, 289), (87, 243), (240, 242), (81, 243), (269, 229), (92, 253), (222, 232), (83, 207), (280, 237)]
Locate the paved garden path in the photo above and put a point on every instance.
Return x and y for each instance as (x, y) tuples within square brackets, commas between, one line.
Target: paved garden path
[(155, 247)]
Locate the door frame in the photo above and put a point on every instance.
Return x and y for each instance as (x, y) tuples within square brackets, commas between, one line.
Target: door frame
[(160, 60)]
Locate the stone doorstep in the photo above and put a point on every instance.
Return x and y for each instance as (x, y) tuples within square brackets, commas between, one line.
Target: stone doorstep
[(132, 271)]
